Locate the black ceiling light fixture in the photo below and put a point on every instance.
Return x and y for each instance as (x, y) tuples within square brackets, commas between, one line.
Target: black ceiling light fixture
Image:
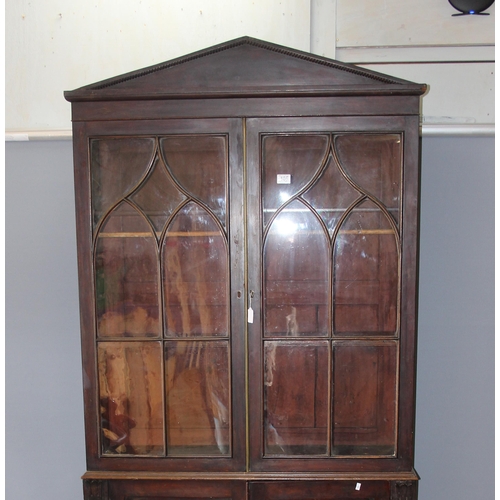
[(471, 7)]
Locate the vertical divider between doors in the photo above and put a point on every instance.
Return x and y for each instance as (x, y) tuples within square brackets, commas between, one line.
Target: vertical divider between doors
[(246, 291), (237, 252), (253, 282)]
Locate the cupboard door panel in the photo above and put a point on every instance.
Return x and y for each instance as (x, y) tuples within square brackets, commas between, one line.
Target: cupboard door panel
[(177, 490), (331, 194), (117, 166), (131, 400), (296, 398), (126, 276), (365, 399), (296, 255), (290, 164), (366, 274), (197, 398), (195, 275), (320, 490), (198, 164), (373, 163), (158, 196)]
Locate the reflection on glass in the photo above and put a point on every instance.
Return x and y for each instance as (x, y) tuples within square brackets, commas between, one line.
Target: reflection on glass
[(158, 196), (373, 162), (126, 276), (331, 195), (199, 164), (366, 274), (130, 392), (116, 165), (296, 256), (364, 405), (195, 275), (198, 403), (296, 398), (299, 156)]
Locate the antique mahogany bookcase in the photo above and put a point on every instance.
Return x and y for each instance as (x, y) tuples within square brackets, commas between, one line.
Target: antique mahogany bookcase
[(247, 221)]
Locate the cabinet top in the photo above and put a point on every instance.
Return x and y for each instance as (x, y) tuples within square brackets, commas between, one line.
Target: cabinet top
[(245, 67)]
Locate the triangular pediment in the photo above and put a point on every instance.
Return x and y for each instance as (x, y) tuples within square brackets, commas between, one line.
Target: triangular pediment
[(245, 67)]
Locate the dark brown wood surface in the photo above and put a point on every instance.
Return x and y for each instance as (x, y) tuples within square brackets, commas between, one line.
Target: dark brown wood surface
[(247, 67), (174, 490), (323, 490), (296, 406)]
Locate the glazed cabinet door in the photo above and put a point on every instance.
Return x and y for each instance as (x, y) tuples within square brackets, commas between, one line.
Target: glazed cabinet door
[(327, 216), (163, 262)]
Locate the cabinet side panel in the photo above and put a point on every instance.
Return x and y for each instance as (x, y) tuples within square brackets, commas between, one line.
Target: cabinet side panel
[(87, 315), (409, 286)]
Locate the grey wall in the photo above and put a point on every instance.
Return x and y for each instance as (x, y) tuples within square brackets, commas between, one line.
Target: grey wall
[(45, 454), (455, 391)]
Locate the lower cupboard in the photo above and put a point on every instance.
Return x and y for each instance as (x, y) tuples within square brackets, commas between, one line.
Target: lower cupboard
[(164, 490), (97, 489)]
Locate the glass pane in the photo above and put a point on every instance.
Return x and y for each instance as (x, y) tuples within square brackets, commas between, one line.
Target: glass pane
[(296, 398), (158, 196), (195, 275), (331, 195), (117, 166), (296, 258), (298, 156), (364, 403), (199, 165), (366, 274), (126, 276), (130, 391), (198, 403), (374, 162)]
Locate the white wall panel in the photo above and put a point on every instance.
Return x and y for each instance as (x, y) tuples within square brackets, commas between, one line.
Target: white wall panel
[(369, 23), (423, 42), (323, 27), (56, 45), (459, 94)]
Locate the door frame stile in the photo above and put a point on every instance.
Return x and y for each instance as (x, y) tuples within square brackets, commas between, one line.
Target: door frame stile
[(245, 292)]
